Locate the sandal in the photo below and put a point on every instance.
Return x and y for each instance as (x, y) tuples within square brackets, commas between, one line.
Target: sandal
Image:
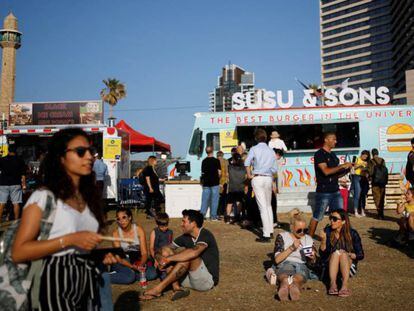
[(145, 296), (294, 292), (283, 293), (180, 293), (333, 291), (344, 292)]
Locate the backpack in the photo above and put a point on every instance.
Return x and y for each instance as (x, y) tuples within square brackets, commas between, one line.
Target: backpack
[(380, 174), (17, 280)]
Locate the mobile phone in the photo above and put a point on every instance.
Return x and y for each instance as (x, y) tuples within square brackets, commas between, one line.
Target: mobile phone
[(354, 158)]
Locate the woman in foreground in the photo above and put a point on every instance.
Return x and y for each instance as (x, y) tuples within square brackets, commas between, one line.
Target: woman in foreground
[(68, 281)]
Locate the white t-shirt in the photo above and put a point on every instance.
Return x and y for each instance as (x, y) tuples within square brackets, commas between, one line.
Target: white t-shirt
[(67, 219), (277, 143), (297, 255)]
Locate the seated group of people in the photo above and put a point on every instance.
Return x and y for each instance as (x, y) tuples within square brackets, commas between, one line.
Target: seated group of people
[(189, 261), (296, 259)]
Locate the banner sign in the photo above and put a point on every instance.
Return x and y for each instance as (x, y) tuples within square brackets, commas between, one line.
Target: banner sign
[(228, 140), (58, 113), (112, 148), (331, 97)]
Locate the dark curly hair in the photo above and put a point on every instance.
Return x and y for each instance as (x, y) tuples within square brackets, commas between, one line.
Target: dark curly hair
[(54, 176)]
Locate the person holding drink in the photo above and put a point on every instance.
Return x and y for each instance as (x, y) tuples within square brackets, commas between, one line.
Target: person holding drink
[(293, 250), (127, 271)]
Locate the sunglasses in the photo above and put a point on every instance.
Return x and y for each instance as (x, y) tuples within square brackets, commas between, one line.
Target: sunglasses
[(300, 231), (121, 218), (334, 218), (81, 151)]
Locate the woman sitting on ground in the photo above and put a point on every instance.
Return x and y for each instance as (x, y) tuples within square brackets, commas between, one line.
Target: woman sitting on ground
[(406, 222), (127, 270), (292, 251), (340, 250)]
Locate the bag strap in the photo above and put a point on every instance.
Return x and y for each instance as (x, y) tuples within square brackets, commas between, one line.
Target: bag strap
[(36, 266)]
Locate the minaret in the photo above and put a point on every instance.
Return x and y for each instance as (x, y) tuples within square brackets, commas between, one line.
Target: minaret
[(10, 41)]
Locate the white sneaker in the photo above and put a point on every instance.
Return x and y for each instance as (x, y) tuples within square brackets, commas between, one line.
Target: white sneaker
[(357, 215), (363, 213)]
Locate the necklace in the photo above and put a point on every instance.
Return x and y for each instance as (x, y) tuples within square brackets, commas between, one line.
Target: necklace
[(79, 201)]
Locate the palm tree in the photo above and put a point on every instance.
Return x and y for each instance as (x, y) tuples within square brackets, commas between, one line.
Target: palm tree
[(112, 93)]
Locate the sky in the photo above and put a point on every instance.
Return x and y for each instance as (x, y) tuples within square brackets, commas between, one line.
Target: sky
[(168, 53)]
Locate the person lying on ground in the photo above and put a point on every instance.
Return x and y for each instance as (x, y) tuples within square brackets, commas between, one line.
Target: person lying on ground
[(406, 222), (127, 270), (340, 250), (292, 251), (196, 267)]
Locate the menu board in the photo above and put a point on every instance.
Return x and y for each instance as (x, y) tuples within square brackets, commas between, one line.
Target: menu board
[(56, 113)]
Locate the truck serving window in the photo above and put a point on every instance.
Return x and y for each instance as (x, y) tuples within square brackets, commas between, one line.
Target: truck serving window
[(307, 136), (213, 139), (195, 145)]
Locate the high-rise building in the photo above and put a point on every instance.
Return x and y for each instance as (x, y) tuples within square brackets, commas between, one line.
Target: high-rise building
[(367, 42), (10, 41), (402, 30), (233, 79)]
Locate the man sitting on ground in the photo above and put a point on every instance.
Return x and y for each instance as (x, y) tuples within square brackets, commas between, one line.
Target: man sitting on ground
[(196, 267)]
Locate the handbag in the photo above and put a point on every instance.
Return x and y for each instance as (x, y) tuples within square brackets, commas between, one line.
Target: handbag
[(17, 280)]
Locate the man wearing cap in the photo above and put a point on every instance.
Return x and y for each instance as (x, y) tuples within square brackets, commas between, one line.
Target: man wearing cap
[(276, 143)]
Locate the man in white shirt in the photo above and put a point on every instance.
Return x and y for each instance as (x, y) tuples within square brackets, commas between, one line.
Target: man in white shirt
[(276, 143), (263, 160)]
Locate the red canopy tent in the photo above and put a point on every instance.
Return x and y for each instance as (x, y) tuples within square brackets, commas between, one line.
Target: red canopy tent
[(140, 142)]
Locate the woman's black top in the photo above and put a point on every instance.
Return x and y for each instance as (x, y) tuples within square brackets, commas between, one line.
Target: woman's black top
[(356, 244)]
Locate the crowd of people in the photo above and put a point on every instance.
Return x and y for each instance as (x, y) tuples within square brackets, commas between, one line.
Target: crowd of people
[(63, 224)]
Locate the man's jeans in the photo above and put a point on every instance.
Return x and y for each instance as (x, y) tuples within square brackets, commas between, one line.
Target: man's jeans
[(325, 199), (210, 198)]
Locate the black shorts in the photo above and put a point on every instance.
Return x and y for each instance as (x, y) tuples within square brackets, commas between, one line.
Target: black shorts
[(233, 197)]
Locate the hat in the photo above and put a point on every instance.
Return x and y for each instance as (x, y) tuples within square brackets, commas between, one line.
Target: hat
[(275, 134)]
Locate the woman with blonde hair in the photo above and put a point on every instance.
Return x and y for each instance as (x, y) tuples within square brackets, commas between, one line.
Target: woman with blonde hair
[(293, 249)]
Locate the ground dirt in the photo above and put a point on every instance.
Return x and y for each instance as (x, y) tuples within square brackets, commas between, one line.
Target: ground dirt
[(385, 278)]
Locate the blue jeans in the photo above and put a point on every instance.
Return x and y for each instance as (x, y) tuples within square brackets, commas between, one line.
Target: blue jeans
[(325, 199), (123, 275), (210, 198), (105, 292), (356, 190)]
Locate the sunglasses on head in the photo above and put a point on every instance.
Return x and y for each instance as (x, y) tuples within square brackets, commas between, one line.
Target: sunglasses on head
[(334, 218), (300, 231), (81, 151), (121, 218)]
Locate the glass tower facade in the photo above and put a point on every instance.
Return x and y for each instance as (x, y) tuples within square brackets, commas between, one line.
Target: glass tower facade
[(367, 42)]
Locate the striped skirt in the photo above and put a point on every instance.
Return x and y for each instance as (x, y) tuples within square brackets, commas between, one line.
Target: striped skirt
[(68, 283)]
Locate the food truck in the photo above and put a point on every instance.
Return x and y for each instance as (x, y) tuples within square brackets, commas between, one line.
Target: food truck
[(357, 124), (32, 125)]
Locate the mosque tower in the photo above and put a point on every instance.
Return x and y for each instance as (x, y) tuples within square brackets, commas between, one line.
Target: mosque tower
[(10, 41)]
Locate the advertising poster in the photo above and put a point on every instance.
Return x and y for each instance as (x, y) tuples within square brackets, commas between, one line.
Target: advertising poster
[(112, 148), (59, 113), (228, 140), (56, 113), (21, 114)]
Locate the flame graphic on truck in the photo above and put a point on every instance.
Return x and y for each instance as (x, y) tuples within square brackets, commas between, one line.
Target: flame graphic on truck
[(287, 177), (305, 180)]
